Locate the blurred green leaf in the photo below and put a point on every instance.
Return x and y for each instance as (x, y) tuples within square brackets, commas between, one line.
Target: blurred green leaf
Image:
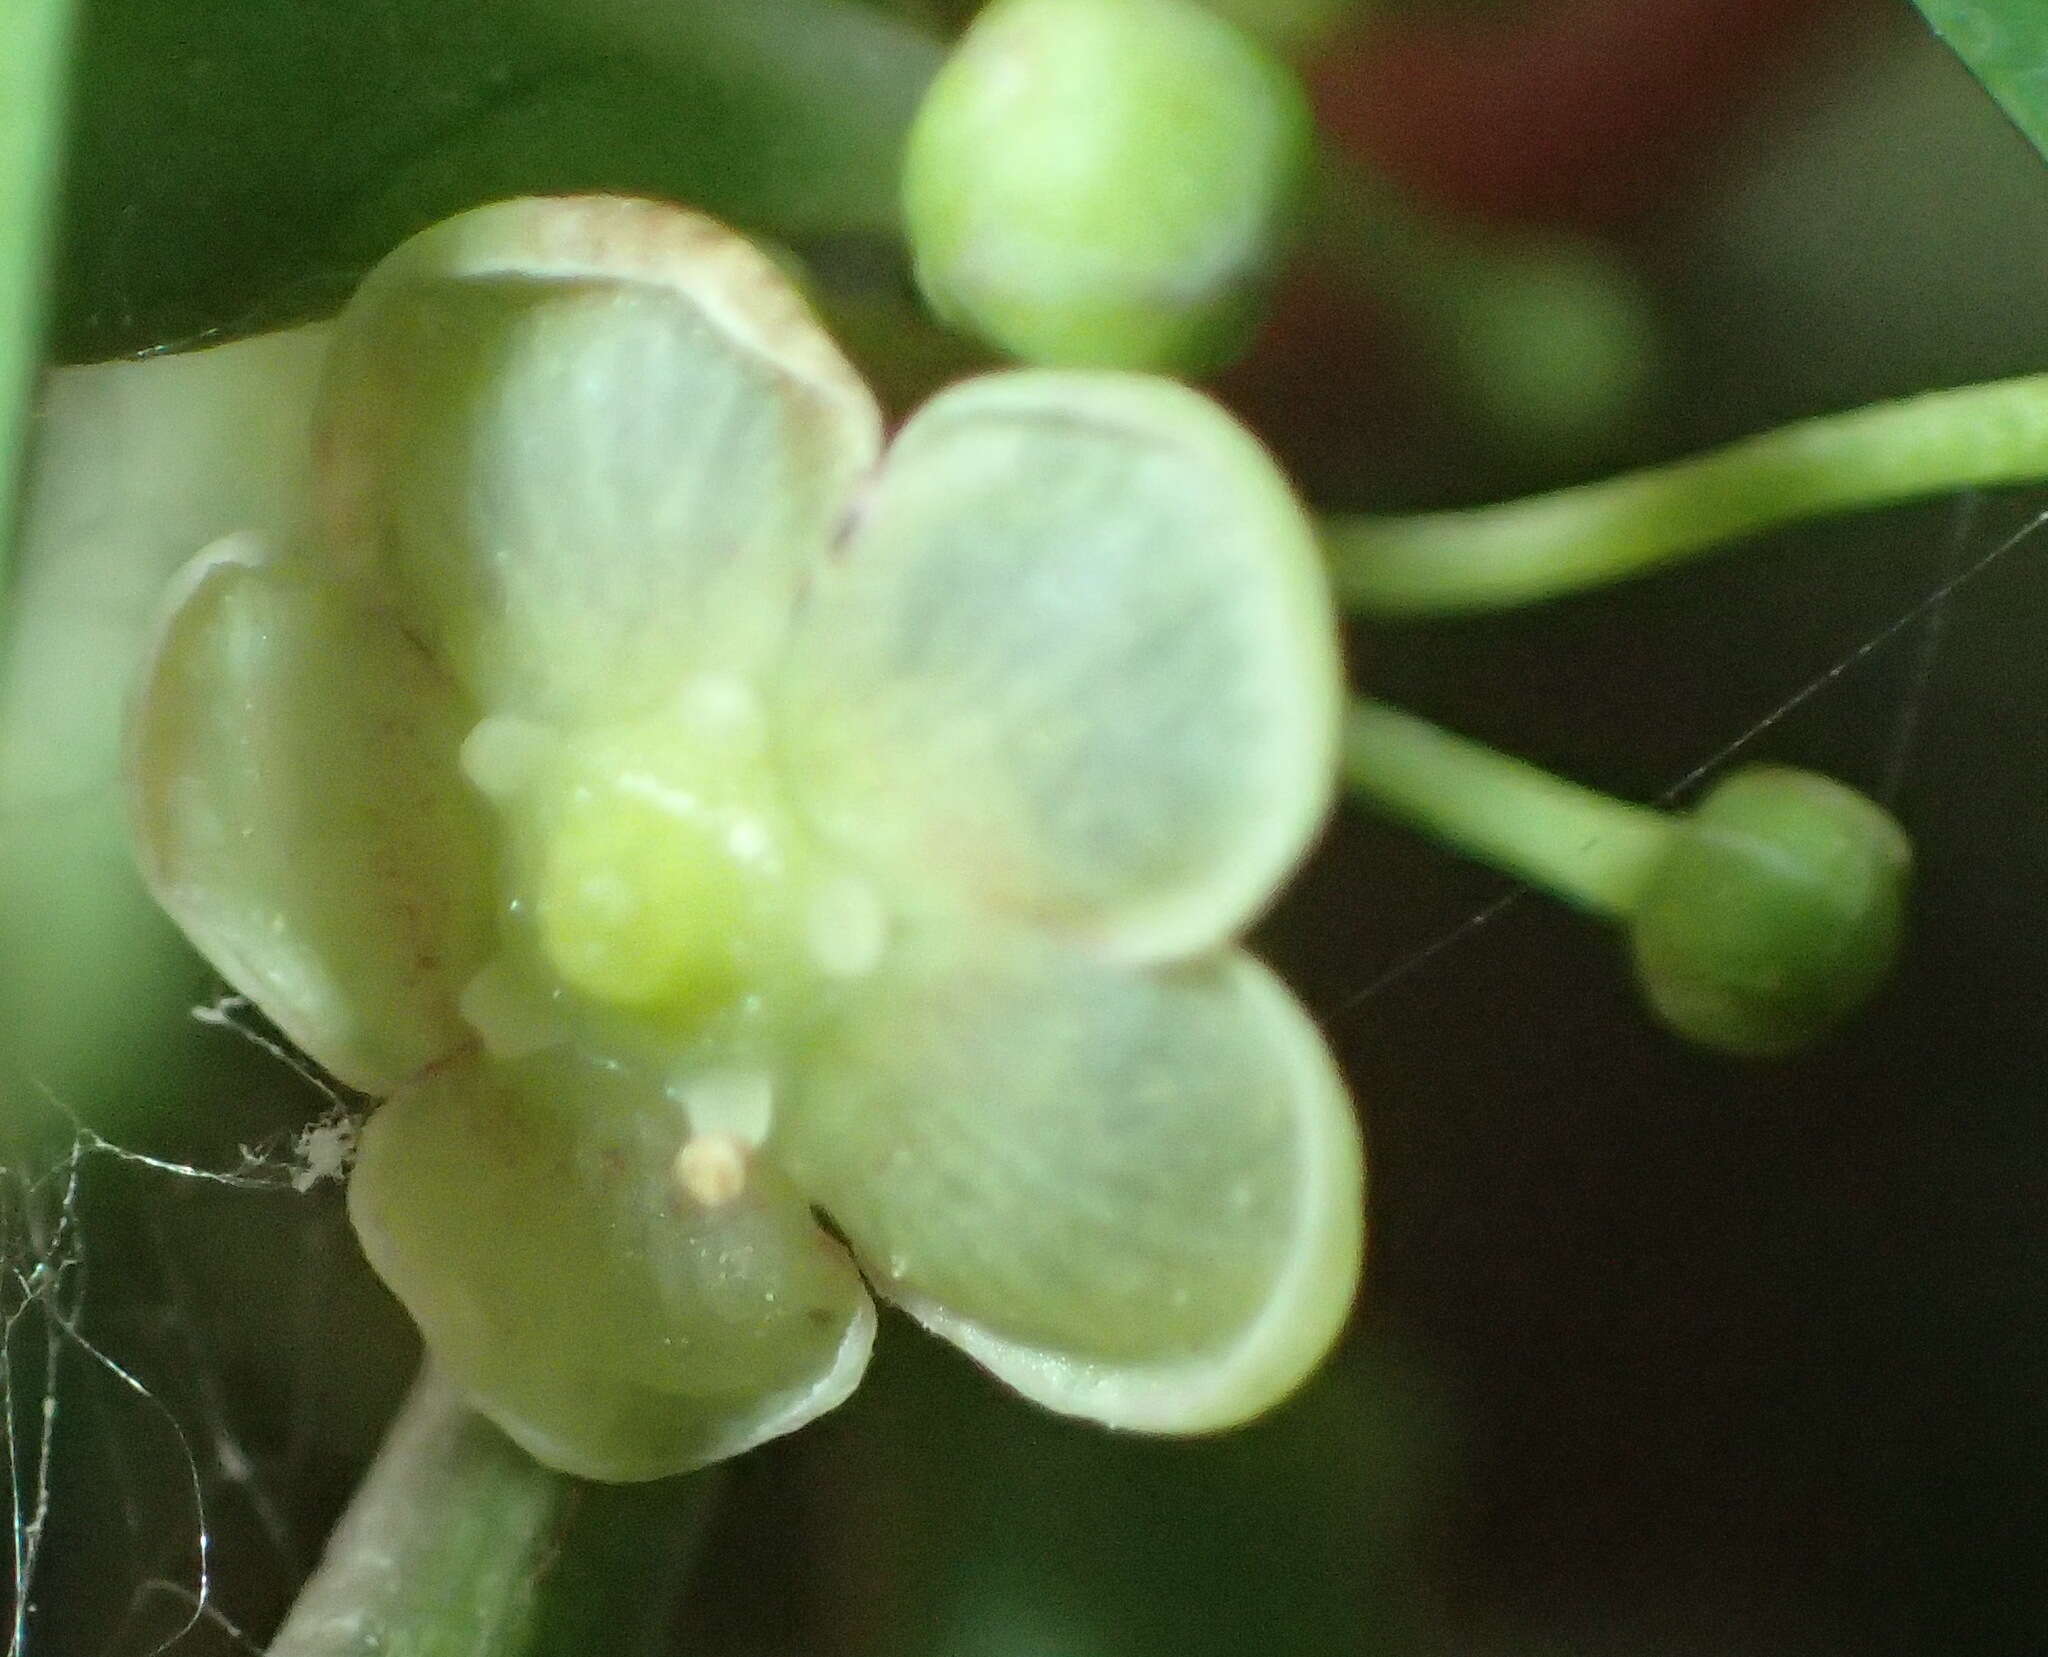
[(991, 1529), (237, 167), (792, 112), (218, 145), (33, 37), (2005, 43)]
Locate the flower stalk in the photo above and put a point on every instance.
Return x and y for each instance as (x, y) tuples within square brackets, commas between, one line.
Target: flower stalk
[(459, 1544), (1569, 540), (1590, 850)]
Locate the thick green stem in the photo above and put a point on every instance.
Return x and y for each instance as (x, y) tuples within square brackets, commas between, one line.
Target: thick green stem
[(1493, 556), (138, 465), (35, 38), (459, 1544), (1586, 848)]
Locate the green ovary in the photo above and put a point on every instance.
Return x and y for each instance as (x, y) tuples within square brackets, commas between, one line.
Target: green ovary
[(662, 871), (640, 906)]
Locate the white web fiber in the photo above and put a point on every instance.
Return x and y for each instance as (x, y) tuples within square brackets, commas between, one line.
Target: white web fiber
[(121, 1431)]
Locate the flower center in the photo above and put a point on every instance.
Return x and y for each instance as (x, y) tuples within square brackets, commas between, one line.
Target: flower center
[(661, 872), (646, 890)]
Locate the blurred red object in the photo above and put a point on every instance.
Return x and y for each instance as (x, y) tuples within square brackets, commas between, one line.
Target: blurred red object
[(1573, 115), (1577, 113)]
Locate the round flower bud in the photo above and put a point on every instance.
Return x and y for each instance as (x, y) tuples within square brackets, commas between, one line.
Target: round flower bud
[(1105, 183), (1776, 912), (1552, 346)]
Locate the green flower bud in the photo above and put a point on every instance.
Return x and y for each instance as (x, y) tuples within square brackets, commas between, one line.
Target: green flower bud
[(1105, 183), (1553, 346), (1775, 912)]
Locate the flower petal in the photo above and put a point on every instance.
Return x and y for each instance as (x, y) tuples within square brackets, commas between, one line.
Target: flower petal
[(1135, 1197), (1079, 661), (297, 809), (589, 445), (617, 1327)]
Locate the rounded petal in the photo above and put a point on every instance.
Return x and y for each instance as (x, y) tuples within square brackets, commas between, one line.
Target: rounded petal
[(1136, 1197), (588, 444), (533, 1221), (1078, 662), (298, 811)]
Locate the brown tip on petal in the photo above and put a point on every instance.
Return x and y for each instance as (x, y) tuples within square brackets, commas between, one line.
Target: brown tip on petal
[(630, 240), (574, 242)]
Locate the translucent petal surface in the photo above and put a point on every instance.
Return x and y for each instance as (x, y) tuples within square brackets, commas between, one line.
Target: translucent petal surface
[(589, 444), (138, 465), (1135, 1197), (613, 1325), (1078, 661), (299, 812)]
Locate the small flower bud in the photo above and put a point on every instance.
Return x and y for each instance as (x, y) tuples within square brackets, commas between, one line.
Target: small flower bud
[(1552, 347), (1105, 183), (1775, 913)]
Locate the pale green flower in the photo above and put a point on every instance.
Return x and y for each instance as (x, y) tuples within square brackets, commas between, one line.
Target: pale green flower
[(687, 815)]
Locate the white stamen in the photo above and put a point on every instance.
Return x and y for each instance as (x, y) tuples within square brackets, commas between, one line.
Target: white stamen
[(848, 928), (728, 1104), (502, 753)]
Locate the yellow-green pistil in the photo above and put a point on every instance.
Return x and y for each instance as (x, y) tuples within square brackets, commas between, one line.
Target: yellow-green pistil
[(658, 878)]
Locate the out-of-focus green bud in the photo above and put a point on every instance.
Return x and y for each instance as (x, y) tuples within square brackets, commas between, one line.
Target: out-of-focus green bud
[(1552, 346), (1775, 912), (1106, 183), (1548, 345)]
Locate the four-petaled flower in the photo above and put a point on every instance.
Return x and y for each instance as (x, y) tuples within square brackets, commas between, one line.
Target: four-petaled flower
[(685, 814)]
